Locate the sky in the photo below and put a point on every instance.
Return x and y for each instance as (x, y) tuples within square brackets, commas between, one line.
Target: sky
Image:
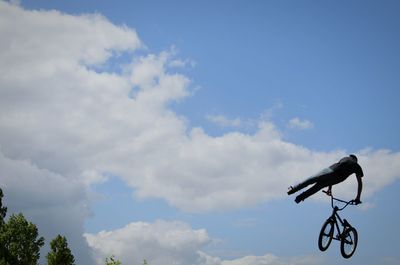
[(170, 130)]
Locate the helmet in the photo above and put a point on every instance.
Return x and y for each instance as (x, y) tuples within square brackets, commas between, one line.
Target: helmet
[(354, 157)]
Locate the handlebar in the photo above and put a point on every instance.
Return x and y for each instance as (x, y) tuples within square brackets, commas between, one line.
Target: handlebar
[(351, 202)]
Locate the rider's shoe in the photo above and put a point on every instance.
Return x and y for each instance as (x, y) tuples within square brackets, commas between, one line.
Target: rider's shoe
[(291, 190), (297, 200)]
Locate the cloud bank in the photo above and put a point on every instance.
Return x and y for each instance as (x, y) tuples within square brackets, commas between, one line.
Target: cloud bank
[(70, 115), (177, 243), (159, 243)]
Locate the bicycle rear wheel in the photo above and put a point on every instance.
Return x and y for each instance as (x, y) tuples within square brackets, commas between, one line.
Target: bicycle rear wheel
[(326, 235), (348, 243)]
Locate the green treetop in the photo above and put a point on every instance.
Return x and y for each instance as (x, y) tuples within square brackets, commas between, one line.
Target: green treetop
[(20, 239), (60, 253)]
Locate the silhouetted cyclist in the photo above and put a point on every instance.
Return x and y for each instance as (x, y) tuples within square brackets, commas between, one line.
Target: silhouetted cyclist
[(332, 175)]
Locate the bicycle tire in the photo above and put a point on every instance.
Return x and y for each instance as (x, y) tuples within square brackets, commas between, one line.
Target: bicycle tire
[(326, 235), (348, 242)]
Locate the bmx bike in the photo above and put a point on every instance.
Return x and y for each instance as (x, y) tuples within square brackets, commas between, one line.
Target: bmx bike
[(346, 234)]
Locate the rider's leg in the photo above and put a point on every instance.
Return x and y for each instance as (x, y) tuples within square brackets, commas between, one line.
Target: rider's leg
[(313, 179), (318, 186), (303, 184)]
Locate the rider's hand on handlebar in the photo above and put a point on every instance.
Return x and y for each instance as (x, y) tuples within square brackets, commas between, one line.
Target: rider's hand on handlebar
[(329, 191)]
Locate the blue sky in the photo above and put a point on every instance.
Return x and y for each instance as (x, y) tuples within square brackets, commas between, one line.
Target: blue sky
[(174, 135)]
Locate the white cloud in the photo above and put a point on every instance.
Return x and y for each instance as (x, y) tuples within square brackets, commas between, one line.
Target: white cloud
[(297, 123), (44, 88), (159, 243), (172, 242)]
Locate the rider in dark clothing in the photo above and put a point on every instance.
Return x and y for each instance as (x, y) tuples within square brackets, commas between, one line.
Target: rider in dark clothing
[(332, 175)]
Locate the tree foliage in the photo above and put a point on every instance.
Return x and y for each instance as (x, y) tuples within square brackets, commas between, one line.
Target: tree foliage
[(3, 210), (112, 261), (20, 240), (60, 254), (3, 251)]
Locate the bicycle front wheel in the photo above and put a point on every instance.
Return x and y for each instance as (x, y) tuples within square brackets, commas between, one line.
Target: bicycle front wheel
[(348, 243), (326, 235)]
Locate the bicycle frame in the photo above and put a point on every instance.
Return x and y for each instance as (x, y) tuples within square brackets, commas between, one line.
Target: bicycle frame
[(335, 216)]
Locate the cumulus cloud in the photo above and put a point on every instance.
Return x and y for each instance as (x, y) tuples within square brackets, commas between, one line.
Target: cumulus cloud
[(172, 242), (160, 242), (45, 58)]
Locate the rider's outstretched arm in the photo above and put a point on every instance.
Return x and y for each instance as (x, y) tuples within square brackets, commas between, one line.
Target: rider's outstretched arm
[(359, 189)]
